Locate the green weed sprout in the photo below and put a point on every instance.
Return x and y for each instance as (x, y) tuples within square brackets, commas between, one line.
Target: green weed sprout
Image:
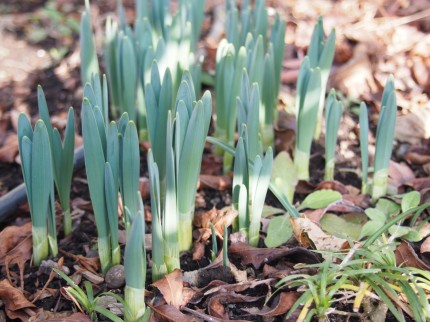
[(307, 102), (85, 300), (135, 271), (89, 62), (364, 147), (321, 53), (384, 139), (225, 261), (36, 165), (214, 242), (62, 157), (369, 271), (333, 113), (250, 184), (228, 72)]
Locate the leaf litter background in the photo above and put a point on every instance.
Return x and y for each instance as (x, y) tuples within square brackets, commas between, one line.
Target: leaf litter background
[(39, 45)]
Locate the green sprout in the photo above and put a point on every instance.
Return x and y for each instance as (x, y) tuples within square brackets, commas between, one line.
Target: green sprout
[(364, 146), (111, 160), (333, 113), (384, 140), (264, 56), (165, 217), (36, 164), (250, 184), (321, 53), (135, 271), (62, 157), (248, 109), (89, 62), (307, 102), (228, 73), (159, 36)]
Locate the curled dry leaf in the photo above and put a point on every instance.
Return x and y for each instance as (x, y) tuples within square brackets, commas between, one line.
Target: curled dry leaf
[(258, 256), (425, 246), (362, 201), (15, 242), (213, 288), (202, 220), (216, 304), (342, 206), (355, 78), (413, 127), (282, 305), (399, 174), (16, 305), (91, 264), (419, 184), (406, 256), (310, 234), (214, 182), (171, 313), (333, 185), (171, 287), (415, 157)]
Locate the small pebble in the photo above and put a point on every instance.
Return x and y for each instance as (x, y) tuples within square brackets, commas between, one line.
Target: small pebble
[(115, 277), (47, 265)]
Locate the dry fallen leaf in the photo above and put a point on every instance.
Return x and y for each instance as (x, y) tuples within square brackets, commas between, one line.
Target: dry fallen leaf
[(259, 256), (413, 127), (417, 157), (215, 182), (310, 234), (425, 246), (355, 78), (171, 313), (419, 184), (333, 185), (15, 242), (216, 304), (16, 305), (406, 256), (202, 220), (91, 264), (171, 286), (284, 302), (399, 174)]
